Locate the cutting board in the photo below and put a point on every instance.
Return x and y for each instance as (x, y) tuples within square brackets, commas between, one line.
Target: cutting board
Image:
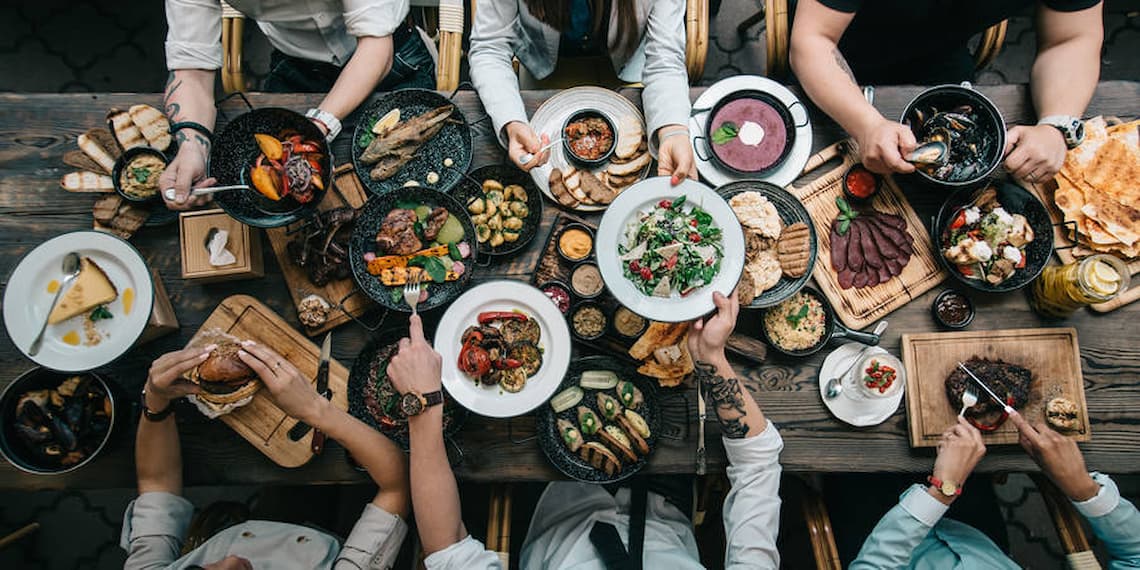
[(347, 190), (858, 308), (1051, 354), (261, 422), (1063, 244)]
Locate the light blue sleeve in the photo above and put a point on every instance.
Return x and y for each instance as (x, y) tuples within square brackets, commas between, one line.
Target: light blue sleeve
[(1115, 521), (752, 507), (154, 527), (900, 531), (467, 554), (665, 97)]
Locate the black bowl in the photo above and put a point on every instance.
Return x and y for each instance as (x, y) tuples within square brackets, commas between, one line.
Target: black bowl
[(363, 240), (849, 195), (17, 452), (947, 97), (124, 160), (832, 329), (471, 186), (586, 114), (582, 305), (1015, 200), (575, 225), (947, 324), (781, 109), (234, 152)]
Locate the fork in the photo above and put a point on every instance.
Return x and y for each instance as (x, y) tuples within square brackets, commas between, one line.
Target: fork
[(969, 398), (412, 292)]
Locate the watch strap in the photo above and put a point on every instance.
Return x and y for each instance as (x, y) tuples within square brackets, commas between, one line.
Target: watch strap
[(433, 398), (329, 120), (937, 483), (155, 416), (1072, 128)]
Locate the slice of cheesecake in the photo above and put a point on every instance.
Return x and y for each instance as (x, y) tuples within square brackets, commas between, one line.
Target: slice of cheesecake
[(89, 290)]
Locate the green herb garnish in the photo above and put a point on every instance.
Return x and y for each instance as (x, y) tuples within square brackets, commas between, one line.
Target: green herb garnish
[(453, 251), (726, 132), (846, 214), (434, 267), (141, 174), (795, 318), (101, 313)]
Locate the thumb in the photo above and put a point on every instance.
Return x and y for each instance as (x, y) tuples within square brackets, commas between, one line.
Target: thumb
[(529, 140), (1012, 137), (907, 142)]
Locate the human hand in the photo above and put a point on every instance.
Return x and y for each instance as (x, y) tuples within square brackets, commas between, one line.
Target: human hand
[(708, 337), (186, 172), (959, 451), (522, 140), (416, 366), (883, 144), (1034, 153), (165, 381), (1059, 457), (294, 393), (675, 155)]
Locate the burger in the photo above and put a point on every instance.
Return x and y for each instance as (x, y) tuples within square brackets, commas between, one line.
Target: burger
[(223, 377)]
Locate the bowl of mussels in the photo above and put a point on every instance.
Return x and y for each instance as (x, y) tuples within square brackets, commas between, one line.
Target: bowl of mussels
[(53, 423), (960, 135)]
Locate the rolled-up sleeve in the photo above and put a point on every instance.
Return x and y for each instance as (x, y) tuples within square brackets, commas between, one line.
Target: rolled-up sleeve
[(901, 530), (666, 93), (154, 527), (374, 542), (194, 34), (752, 507), (1115, 521), (467, 554), (377, 18), (490, 57)]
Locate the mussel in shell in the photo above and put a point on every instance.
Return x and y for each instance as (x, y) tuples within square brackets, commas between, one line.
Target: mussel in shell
[(62, 426), (967, 144)]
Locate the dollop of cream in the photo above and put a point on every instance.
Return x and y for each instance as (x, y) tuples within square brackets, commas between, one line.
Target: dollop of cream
[(751, 133)]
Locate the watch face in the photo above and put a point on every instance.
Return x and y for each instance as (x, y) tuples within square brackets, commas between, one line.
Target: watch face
[(1079, 130), (411, 404), (949, 488)]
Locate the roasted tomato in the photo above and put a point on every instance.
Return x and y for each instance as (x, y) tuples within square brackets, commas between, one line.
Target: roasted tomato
[(474, 361)]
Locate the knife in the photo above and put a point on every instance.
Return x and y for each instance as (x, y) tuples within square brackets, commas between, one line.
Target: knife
[(1005, 407), (301, 428), (701, 416)]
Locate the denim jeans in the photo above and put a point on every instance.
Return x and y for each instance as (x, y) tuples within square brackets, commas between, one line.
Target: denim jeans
[(412, 66)]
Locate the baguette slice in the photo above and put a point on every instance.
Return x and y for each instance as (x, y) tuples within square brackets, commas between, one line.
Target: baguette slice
[(153, 125), (123, 127), (612, 435), (559, 190), (81, 161), (92, 144), (84, 181), (599, 457)]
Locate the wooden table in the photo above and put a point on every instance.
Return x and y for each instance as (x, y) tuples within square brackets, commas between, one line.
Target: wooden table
[(35, 131)]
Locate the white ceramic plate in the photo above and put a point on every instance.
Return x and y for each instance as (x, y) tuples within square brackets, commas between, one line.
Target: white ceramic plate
[(553, 113), (642, 197), (793, 164), (857, 412), (27, 301), (493, 401)]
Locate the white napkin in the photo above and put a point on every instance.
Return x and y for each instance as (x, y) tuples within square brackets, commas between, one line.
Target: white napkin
[(219, 255)]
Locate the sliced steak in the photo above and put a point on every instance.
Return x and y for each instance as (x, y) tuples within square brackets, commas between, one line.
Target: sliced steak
[(854, 249), (846, 278), (838, 247), (871, 254), (886, 245)]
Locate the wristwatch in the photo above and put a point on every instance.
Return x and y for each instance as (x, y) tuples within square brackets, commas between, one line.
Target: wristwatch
[(329, 120), (155, 416), (947, 488), (1072, 128), (413, 403)]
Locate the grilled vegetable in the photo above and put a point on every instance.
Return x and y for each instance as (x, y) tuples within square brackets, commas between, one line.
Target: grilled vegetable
[(566, 399), (598, 379)]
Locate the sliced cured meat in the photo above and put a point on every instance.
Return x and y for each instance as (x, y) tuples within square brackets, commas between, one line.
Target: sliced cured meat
[(854, 249), (861, 279), (885, 274), (838, 248), (846, 278), (895, 266), (871, 254), (887, 247), (892, 220), (899, 237)]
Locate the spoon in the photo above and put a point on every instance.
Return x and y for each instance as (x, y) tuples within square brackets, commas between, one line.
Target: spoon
[(170, 194), (834, 386), (526, 158), (933, 152), (70, 271)]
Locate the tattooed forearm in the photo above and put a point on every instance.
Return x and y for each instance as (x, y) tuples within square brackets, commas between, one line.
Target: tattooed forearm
[(727, 399), (173, 110), (842, 63)]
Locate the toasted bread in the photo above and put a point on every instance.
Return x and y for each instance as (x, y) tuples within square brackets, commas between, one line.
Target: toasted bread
[(594, 188), (559, 191), (630, 134), (153, 125), (613, 441), (93, 143), (126, 133), (84, 181), (81, 161), (657, 335), (631, 167), (600, 457), (639, 444)]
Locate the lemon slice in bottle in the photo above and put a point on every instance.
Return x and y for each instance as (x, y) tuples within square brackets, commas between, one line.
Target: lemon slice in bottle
[(1103, 278)]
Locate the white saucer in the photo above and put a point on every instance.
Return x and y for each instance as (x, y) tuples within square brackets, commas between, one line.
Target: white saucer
[(793, 164), (859, 413)]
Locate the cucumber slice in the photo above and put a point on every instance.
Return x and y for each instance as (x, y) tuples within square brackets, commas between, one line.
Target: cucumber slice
[(423, 211), (451, 231), (598, 379), (566, 399)]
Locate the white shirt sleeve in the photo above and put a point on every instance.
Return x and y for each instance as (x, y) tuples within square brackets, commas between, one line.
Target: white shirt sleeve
[(194, 34), (666, 94), (377, 18), (752, 507), (374, 542), (467, 554), (490, 58)]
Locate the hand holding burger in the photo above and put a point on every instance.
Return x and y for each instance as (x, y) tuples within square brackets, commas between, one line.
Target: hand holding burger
[(288, 388), (166, 382), (223, 378)]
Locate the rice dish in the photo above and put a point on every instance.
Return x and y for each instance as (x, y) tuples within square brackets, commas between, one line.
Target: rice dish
[(798, 323)]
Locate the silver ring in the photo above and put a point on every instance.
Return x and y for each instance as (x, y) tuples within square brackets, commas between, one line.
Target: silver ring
[(278, 365)]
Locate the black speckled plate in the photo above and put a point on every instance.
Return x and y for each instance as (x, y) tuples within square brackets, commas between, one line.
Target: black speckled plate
[(568, 462), (471, 187), (363, 240), (791, 211), (361, 375), (234, 152), (453, 141)]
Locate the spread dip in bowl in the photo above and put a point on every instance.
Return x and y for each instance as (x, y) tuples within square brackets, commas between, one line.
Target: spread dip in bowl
[(586, 280), (588, 137), (137, 172), (575, 243), (952, 309), (749, 134), (628, 323)]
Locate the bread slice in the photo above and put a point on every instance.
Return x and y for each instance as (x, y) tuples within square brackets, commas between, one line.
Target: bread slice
[(93, 143), (631, 167), (639, 444), (123, 127), (153, 125), (630, 134), (655, 336), (595, 189), (612, 436), (84, 181), (599, 457), (559, 191), (81, 161)]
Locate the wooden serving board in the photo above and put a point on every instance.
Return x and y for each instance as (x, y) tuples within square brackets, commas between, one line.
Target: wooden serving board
[(1063, 244), (261, 422), (860, 307), (1051, 354), (347, 190)]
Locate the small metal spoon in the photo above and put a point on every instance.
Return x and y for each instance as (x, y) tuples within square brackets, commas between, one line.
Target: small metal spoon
[(171, 194), (70, 272), (834, 386), (526, 158)]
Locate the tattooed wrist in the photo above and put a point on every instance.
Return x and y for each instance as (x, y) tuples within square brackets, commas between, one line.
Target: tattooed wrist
[(726, 396)]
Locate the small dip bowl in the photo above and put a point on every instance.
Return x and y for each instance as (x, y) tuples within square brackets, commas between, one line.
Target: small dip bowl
[(858, 376), (628, 324), (559, 294), (569, 237), (860, 184), (586, 280), (953, 310), (588, 320), (133, 172), (569, 143)]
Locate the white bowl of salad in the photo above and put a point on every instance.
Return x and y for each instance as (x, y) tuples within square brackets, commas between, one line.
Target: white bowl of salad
[(663, 250)]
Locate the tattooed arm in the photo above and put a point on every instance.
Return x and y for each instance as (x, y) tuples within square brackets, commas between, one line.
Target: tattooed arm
[(189, 96), (828, 80), (737, 412)]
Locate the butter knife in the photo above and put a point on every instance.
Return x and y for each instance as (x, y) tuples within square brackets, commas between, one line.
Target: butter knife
[(1005, 407), (701, 416)]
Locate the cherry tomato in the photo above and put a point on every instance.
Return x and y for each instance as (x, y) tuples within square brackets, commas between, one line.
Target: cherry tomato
[(959, 220)]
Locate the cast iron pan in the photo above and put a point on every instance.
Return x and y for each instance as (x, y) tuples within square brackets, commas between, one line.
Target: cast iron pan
[(791, 211), (361, 375), (234, 153), (1015, 200), (471, 186), (568, 462), (453, 141), (832, 329), (781, 109), (363, 240)]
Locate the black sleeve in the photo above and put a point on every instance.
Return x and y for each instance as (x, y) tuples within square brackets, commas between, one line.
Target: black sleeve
[(1065, 5), (848, 6)]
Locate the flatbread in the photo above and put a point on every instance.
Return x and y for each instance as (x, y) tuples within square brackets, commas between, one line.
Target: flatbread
[(1115, 171), (793, 249), (656, 336), (756, 212), (765, 271), (631, 167)]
